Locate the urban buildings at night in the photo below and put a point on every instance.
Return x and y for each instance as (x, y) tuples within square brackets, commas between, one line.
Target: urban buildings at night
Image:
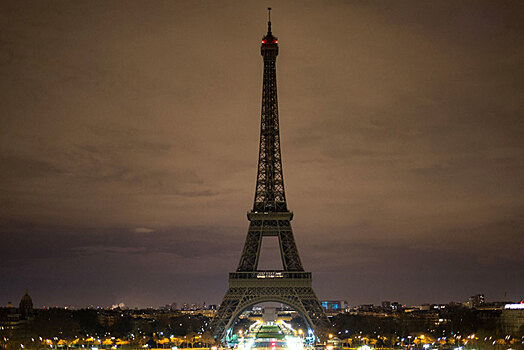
[(485, 325)]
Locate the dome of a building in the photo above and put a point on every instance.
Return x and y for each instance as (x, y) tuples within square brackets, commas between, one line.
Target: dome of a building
[(26, 304)]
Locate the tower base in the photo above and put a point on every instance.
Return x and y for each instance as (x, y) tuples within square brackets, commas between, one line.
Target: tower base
[(250, 288)]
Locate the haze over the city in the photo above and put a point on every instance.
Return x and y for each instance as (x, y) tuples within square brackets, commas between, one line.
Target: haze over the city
[(129, 140)]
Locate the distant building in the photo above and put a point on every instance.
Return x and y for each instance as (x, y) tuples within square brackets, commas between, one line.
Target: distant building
[(366, 308), (388, 306), (334, 343), (269, 314), (18, 318), (475, 301), (396, 306), (169, 307), (425, 307), (512, 319), (334, 306), (26, 305), (257, 309)]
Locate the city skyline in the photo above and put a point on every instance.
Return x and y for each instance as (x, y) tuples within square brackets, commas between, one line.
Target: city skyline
[(130, 136), (333, 306)]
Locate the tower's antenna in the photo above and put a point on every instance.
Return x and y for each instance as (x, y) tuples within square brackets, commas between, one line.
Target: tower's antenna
[(269, 21)]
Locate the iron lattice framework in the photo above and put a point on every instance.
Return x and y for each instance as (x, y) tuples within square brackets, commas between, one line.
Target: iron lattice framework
[(269, 217)]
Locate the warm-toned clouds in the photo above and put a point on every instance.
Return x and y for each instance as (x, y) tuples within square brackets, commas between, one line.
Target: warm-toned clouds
[(129, 135)]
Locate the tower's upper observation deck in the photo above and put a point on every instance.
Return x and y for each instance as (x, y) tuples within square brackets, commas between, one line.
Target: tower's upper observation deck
[(269, 48)]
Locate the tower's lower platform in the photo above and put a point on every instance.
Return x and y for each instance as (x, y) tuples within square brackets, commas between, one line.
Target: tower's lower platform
[(250, 288)]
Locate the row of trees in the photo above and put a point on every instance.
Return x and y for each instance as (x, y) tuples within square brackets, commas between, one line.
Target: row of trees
[(66, 328), (458, 321), (187, 331), (71, 323)]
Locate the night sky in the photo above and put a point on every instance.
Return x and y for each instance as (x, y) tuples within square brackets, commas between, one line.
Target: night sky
[(129, 142)]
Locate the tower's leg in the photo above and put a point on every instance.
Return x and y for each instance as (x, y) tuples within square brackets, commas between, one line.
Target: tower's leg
[(314, 310), (251, 252), (288, 248), (225, 312)]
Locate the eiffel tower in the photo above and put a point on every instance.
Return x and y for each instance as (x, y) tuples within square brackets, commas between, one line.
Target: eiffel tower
[(270, 217)]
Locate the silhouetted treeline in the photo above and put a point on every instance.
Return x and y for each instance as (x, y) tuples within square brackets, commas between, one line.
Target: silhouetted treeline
[(442, 323), (64, 323)]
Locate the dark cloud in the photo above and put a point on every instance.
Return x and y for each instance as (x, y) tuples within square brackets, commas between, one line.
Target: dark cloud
[(129, 135), (36, 241), (17, 167)]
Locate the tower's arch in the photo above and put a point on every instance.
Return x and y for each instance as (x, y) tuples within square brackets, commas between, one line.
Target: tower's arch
[(291, 288), (295, 304)]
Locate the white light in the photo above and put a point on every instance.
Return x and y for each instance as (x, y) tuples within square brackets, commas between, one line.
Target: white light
[(514, 306), (249, 344)]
